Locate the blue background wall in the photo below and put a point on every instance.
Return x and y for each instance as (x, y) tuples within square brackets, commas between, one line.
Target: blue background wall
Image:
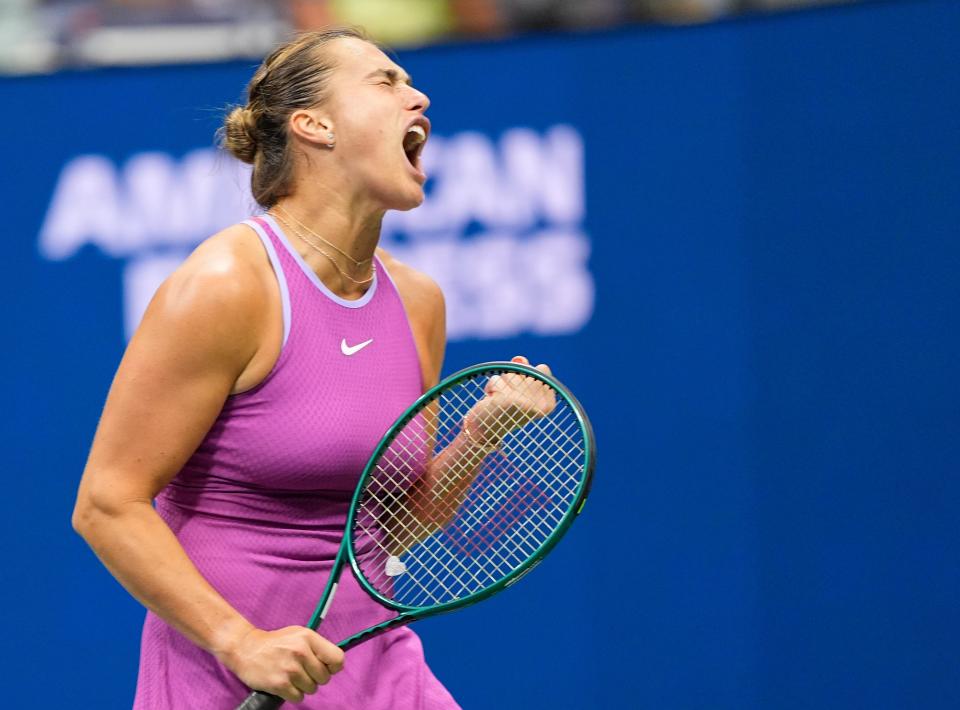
[(771, 366)]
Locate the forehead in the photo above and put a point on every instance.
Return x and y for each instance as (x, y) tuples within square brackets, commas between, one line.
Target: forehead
[(356, 58)]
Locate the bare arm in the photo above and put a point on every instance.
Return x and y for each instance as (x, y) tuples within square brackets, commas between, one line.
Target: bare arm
[(509, 403), (199, 338)]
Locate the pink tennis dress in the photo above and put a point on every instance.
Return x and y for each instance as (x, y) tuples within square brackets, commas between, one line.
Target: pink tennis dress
[(260, 507)]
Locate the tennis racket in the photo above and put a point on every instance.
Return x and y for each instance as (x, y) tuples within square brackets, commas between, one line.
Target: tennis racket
[(469, 489)]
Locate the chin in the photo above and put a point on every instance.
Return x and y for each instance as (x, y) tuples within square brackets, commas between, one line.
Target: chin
[(408, 200), (400, 192), (418, 198)]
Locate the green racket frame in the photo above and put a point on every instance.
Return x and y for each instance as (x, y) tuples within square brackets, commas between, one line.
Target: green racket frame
[(408, 613)]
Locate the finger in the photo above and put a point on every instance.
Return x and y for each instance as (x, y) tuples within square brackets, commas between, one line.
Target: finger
[(302, 681), (515, 380), (544, 369), (289, 692), (316, 668), (335, 665), (327, 653), (520, 359)]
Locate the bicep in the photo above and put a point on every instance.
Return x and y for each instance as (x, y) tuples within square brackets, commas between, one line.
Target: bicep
[(171, 384)]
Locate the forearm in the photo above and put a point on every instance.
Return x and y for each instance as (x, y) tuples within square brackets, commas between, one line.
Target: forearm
[(144, 555), (433, 501), (449, 474), (510, 402)]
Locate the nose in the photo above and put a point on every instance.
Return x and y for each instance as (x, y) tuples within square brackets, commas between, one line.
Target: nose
[(418, 101)]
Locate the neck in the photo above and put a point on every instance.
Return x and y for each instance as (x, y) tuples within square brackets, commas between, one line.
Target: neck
[(353, 229)]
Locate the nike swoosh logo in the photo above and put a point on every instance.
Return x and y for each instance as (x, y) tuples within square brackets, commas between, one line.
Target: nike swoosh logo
[(353, 349)]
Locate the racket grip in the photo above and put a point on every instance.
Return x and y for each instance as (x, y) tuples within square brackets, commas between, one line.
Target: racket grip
[(258, 700)]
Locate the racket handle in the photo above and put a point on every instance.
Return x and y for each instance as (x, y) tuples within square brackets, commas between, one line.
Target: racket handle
[(258, 700)]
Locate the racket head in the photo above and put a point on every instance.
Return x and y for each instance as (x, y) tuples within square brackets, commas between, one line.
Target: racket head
[(558, 494)]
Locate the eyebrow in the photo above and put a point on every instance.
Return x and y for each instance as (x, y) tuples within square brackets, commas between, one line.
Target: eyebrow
[(392, 74)]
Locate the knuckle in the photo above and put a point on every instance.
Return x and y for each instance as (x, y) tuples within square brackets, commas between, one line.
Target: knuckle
[(285, 691)]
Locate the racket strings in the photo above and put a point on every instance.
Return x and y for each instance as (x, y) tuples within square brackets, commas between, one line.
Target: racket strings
[(484, 515), (508, 558)]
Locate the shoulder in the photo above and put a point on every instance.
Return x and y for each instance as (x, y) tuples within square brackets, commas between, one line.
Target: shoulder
[(218, 294), (416, 288), (226, 268)]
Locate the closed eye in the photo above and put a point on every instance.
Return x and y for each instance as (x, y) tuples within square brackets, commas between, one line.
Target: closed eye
[(392, 76)]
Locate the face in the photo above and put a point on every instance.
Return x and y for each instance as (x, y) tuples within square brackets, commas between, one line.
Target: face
[(372, 106)]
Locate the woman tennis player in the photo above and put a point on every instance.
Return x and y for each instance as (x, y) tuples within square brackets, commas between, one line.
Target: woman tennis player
[(264, 372)]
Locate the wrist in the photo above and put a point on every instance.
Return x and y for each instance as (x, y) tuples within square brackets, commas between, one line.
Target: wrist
[(478, 436), (228, 637)]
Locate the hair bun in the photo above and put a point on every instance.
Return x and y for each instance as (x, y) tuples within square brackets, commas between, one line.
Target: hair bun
[(240, 134)]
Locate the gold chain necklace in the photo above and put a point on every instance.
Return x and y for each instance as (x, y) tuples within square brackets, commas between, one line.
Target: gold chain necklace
[(373, 266), (328, 243)]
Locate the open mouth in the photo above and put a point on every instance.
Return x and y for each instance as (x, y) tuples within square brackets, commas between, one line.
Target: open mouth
[(413, 142)]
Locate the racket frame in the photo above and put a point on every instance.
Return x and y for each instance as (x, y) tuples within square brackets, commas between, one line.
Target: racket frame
[(406, 613)]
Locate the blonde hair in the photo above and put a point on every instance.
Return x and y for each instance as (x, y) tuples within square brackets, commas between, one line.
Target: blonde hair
[(294, 76)]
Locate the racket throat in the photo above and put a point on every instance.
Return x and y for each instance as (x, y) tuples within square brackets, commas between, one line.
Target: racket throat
[(326, 606), (329, 591)]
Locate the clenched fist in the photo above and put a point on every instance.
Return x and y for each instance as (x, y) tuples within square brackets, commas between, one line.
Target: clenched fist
[(289, 662), (510, 401)]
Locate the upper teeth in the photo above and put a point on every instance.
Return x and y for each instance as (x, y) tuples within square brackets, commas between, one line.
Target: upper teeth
[(418, 130)]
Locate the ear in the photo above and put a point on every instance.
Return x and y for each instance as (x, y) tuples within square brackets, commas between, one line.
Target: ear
[(311, 126)]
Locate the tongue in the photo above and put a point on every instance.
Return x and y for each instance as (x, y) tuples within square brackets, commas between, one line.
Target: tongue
[(411, 152), (410, 143)]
